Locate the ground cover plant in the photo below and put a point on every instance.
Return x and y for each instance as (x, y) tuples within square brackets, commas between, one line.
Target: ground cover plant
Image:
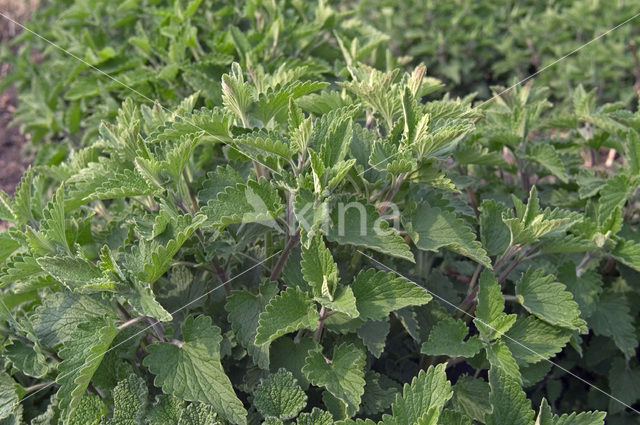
[(161, 51), (473, 45), (319, 241)]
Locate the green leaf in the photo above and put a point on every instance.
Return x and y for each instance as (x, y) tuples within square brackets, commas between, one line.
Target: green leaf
[(257, 201), (157, 259), (319, 269), (144, 302), (494, 233), (192, 370), (546, 417), (287, 312), (279, 396), (509, 402), (628, 253), (613, 319), (82, 354), (237, 95), (60, 314), (471, 397), (474, 153), (447, 338), (542, 341), (379, 393), (491, 320), (531, 223), (21, 207), (342, 375), (331, 135), (386, 156), (586, 288), (214, 123), (29, 360), (424, 397), (624, 381), (167, 409), (7, 207), (450, 417), (292, 354), (264, 143), (500, 358), (315, 417), (21, 268), (217, 181), (549, 300), (244, 310), (53, 223), (114, 184), (198, 414), (546, 155), (378, 293), (357, 223), (75, 272), (8, 395), (129, 402), (373, 334), (433, 228), (272, 103), (7, 246), (90, 411), (614, 194), (343, 301)]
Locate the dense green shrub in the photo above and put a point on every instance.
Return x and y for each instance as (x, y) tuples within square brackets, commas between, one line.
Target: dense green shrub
[(289, 213), (473, 45), (161, 51), (303, 238)]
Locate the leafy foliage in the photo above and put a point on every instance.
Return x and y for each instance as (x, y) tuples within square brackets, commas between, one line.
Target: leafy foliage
[(309, 233)]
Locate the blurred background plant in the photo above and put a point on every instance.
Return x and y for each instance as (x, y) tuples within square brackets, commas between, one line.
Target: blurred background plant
[(473, 45)]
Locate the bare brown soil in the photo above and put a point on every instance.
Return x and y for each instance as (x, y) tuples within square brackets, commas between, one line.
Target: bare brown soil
[(12, 164), (11, 141)]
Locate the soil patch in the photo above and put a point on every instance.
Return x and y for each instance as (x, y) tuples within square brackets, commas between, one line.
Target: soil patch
[(11, 141), (12, 165)]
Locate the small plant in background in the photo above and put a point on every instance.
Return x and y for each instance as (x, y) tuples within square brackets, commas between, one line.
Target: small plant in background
[(474, 45), (161, 51), (304, 238)]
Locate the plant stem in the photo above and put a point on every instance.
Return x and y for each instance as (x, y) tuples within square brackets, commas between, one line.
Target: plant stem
[(473, 200), (506, 256), (131, 322), (582, 267), (472, 292), (509, 269), (157, 328), (39, 386), (323, 315), (524, 177), (124, 314), (277, 269), (222, 275), (392, 192)]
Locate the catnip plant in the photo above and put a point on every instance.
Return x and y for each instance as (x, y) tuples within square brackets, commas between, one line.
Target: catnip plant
[(266, 219), (311, 254)]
